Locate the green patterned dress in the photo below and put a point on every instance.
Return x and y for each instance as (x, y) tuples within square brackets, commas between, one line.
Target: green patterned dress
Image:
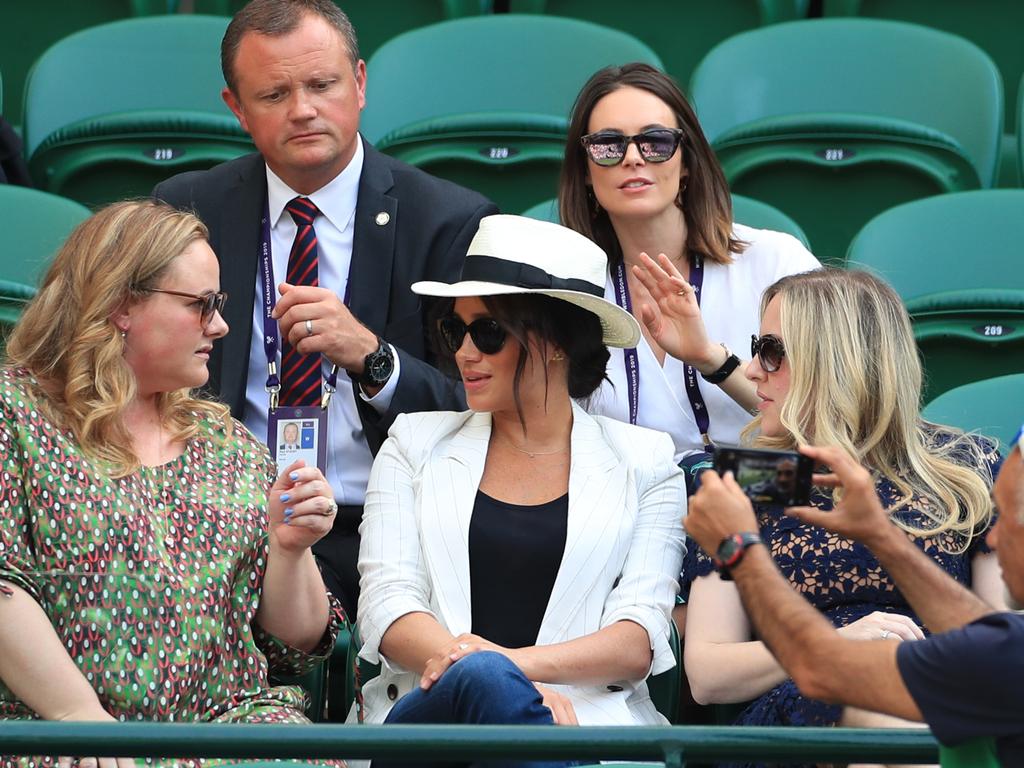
[(152, 581)]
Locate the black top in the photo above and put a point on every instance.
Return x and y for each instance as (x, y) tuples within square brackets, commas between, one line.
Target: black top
[(515, 552), (968, 683)]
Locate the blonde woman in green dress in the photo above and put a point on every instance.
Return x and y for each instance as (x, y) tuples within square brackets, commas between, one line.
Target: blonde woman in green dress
[(152, 565)]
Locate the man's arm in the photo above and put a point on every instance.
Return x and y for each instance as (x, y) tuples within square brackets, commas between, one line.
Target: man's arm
[(940, 601), (823, 664)]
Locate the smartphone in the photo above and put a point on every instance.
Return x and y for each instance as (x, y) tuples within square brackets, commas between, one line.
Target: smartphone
[(777, 478)]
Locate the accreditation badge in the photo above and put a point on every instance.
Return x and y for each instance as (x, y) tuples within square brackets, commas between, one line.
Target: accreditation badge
[(298, 432)]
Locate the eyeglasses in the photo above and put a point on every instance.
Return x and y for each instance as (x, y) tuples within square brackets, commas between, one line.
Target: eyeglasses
[(487, 334), (208, 303), (769, 350), (656, 145)]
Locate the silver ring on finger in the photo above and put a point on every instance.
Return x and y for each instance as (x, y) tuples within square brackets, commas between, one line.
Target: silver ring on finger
[(885, 634), (463, 646), (309, 327), (332, 507)]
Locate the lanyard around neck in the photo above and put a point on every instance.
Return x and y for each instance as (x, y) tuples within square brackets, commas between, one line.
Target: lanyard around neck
[(271, 331), (632, 359)]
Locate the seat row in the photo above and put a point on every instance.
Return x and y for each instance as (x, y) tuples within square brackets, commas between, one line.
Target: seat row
[(830, 120), (952, 258)]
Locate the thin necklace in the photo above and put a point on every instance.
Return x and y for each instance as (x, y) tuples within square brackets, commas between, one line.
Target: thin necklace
[(535, 454)]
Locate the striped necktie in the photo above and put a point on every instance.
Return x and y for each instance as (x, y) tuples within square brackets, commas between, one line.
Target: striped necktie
[(300, 374)]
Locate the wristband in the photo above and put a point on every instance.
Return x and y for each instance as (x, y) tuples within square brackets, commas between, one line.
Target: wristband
[(725, 370)]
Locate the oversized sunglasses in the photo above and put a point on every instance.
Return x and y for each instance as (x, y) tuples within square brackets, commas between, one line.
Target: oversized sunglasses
[(487, 334), (656, 145), (208, 303), (769, 350)]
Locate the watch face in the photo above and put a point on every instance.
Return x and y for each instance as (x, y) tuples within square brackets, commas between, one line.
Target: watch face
[(379, 366), (728, 548)]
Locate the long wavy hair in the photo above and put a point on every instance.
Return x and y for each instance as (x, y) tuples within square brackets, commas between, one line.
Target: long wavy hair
[(855, 382), (68, 341), (704, 199)]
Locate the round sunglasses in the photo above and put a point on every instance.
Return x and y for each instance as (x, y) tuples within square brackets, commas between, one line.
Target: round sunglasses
[(487, 334), (208, 303), (656, 145), (769, 350)]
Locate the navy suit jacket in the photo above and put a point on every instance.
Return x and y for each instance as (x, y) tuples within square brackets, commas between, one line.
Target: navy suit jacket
[(430, 224)]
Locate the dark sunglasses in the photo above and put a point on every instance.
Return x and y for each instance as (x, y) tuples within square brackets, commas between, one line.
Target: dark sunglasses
[(656, 145), (487, 335), (769, 350), (208, 303)]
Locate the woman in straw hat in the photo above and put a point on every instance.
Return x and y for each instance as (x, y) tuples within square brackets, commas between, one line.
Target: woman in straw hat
[(152, 564), (519, 560)]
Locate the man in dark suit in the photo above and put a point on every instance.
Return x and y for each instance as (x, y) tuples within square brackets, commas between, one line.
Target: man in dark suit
[(297, 85)]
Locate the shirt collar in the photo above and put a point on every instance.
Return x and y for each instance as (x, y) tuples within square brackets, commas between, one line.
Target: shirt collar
[(336, 200)]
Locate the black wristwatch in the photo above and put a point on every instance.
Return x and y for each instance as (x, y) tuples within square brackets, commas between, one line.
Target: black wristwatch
[(724, 370), (731, 551), (378, 365)]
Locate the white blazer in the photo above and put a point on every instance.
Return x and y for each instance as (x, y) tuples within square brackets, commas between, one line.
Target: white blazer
[(623, 550)]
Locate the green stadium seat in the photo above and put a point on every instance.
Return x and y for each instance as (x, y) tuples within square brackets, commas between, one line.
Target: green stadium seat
[(35, 225), (980, 753), (462, 100), (991, 407), (377, 22), (835, 120), (31, 26), (114, 109), (680, 33), (993, 25), (952, 259), (745, 210)]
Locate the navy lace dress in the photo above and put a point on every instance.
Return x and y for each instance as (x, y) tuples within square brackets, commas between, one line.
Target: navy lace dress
[(843, 580)]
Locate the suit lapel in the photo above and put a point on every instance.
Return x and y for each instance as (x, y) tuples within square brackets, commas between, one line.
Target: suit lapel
[(373, 243), (450, 484), (242, 210), (597, 485)]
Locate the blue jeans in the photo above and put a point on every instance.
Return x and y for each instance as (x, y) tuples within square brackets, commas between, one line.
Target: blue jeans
[(483, 688)]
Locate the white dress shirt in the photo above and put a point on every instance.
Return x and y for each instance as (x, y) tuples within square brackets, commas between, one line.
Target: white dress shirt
[(348, 456)]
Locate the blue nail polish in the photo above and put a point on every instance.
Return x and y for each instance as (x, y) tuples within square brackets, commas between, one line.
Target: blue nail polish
[(294, 476), (285, 496), (288, 512)]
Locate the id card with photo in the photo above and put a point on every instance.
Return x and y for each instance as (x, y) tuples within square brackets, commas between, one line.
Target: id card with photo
[(298, 432)]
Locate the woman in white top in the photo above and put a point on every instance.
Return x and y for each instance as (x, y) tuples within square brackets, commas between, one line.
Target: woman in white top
[(518, 561), (640, 179)]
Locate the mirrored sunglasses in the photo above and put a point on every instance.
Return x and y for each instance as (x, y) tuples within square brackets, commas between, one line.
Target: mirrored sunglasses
[(656, 145), (487, 334), (769, 350)]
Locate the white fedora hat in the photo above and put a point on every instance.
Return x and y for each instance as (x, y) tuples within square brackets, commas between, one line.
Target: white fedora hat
[(516, 254)]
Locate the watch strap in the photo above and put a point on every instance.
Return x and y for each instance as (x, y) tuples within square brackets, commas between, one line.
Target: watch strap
[(724, 370), (731, 552)]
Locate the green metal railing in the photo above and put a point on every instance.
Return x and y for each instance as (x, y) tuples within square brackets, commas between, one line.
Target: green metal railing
[(674, 745)]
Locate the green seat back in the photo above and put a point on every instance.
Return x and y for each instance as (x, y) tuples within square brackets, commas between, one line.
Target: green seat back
[(980, 753), (992, 407), (754, 213), (342, 681), (114, 109), (745, 210), (835, 120), (35, 225), (664, 687), (462, 101), (31, 26), (993, 25), (952, 260), (376, 22), (680, 33)]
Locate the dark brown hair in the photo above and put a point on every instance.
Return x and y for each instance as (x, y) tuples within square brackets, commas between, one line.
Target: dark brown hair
[(574, 330), (704, 200), (276, 18)]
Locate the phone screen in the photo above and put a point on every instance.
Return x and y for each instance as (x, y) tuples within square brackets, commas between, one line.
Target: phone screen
[(774, 478)]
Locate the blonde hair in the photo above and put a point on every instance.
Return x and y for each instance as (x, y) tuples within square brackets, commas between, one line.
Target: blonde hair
[(855, 382), (68, 341)]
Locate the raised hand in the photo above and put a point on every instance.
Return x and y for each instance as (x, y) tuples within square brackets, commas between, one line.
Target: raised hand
[(859, 515), (301, 508)]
